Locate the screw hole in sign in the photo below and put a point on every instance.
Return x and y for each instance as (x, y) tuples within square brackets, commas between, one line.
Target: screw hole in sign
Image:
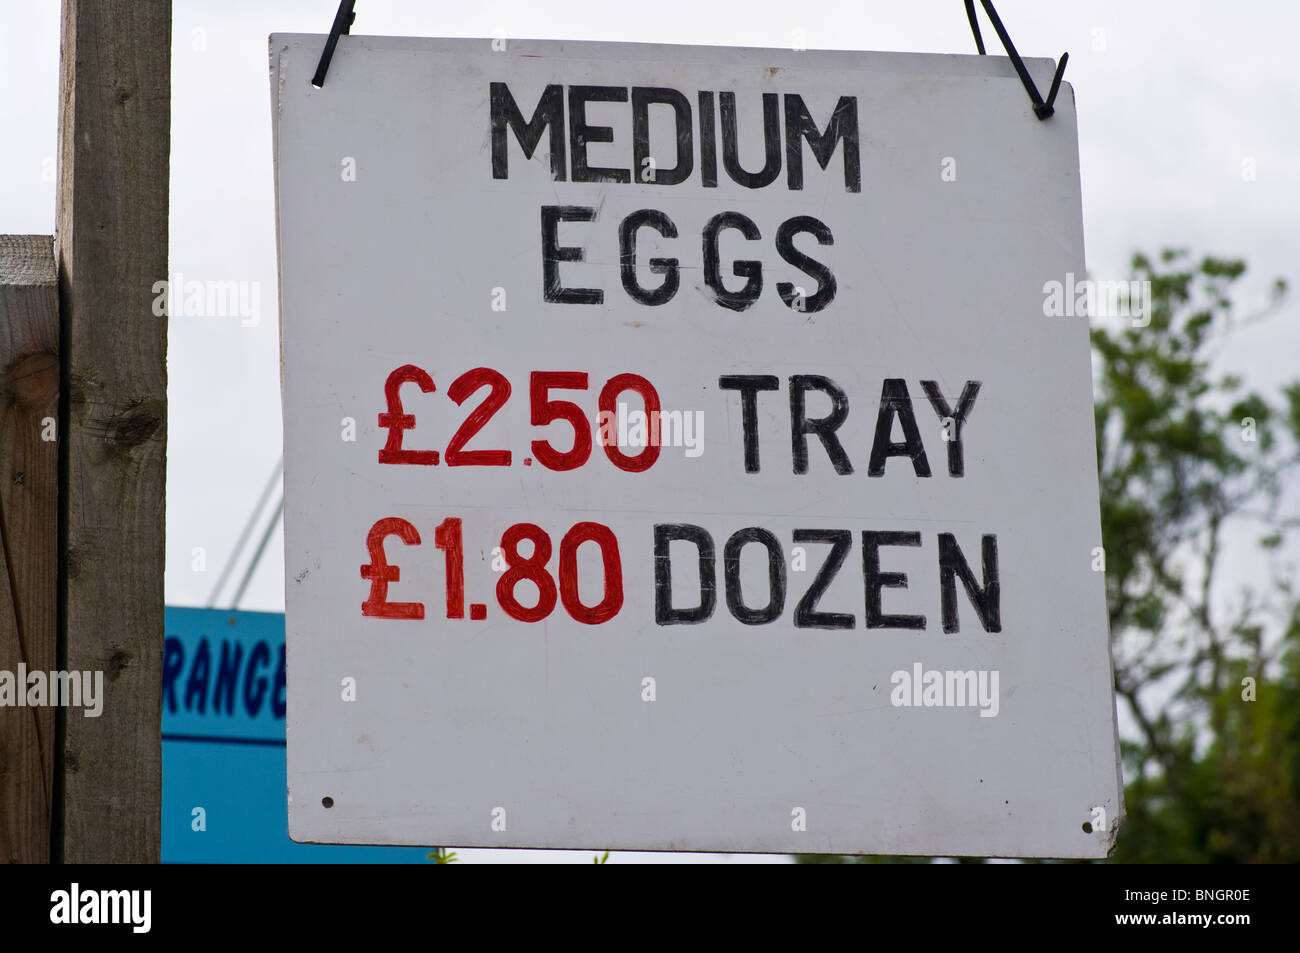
[(327, 801), (1087, 827)]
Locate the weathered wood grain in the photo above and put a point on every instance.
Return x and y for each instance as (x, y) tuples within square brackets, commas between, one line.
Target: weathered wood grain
[(111, 241), (29, 498)]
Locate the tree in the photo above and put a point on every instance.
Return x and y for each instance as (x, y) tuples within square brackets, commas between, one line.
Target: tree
[(1191, 467), (1193, 470)]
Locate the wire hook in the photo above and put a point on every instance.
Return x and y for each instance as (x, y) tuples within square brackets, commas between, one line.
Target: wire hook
[(1042, 109), (342, 25)]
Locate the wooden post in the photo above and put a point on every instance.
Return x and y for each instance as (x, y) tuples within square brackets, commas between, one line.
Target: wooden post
[(111, 242), (29, 498)]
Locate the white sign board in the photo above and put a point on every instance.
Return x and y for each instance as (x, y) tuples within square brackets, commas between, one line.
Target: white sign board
[(679, 453)]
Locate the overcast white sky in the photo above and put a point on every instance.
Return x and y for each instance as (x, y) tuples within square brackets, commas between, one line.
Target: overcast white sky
[(1172, 97)]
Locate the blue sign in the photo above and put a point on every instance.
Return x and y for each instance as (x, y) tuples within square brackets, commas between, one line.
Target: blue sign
[(224, 779)]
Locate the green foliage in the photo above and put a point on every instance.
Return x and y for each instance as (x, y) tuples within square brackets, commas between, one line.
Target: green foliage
[(1193, 468), (442, 856)]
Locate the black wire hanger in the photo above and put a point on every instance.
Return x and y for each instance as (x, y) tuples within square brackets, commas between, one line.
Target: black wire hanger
[(1041, 109)]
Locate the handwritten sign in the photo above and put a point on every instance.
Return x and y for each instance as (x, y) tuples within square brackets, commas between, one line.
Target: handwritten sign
[(679, 454)]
